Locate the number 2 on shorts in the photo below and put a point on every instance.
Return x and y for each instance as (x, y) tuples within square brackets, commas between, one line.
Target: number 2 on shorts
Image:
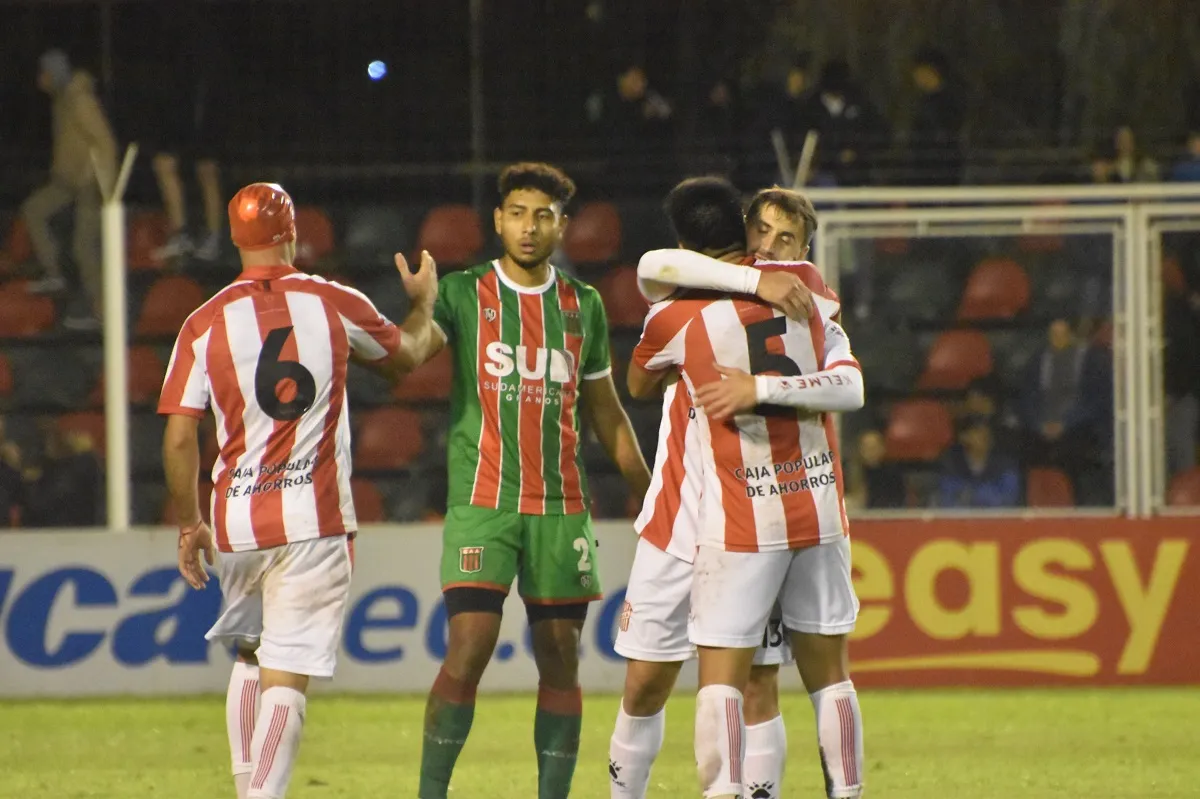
[(581, 546)]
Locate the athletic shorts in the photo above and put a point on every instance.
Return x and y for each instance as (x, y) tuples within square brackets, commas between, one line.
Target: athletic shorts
[(554, 557), (290, 600), (654, 620), (733, 593)]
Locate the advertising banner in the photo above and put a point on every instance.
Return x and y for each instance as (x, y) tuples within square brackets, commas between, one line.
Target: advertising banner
[(982, 602)]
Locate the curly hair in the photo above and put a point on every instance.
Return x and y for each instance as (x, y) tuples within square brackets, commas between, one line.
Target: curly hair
[(534, 175)]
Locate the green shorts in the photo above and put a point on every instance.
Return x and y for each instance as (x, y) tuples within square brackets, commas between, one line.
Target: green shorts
[(555, 556)]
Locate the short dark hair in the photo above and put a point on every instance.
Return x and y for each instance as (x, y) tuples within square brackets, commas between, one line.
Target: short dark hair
[(535, 175), (793, 204), (706, 214)]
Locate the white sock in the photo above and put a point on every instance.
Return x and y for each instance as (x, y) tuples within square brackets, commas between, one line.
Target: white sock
[(241, 709), (635, 742), (720, 740), (276, 741), (839, 736), (766, 755)]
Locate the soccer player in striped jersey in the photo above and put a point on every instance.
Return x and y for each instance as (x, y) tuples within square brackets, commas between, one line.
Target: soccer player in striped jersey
[(652, 635), (531, 357), (269, 353), (773, 524)]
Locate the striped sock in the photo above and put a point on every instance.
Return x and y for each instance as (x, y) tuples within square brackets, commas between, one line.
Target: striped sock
[(449, 714), (276, 742), (839, 736), (556, 729), (241, 708), (720, 740)]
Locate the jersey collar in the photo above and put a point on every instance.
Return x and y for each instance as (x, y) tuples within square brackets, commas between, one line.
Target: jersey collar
[(542, 289), (268, 272)]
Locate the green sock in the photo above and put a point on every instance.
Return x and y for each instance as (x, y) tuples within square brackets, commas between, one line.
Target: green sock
[(556, 736), (448, 717)]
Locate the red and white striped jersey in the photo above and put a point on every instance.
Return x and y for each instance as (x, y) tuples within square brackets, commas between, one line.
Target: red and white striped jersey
[(772, 480), (671, 510), (270, 354)]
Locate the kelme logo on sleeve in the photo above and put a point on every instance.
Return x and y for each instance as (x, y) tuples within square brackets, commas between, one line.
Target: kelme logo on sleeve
[(470, 559)]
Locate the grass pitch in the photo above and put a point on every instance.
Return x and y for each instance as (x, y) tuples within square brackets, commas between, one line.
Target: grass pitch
[(1116, 744)]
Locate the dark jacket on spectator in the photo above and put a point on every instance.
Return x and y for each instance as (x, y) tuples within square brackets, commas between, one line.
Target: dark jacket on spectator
[(997, 485)]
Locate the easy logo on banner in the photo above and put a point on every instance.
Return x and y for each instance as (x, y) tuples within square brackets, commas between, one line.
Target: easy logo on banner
[(1060, 602)]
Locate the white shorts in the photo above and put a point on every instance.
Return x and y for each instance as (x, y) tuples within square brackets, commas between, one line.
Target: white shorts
[(654, 620), (290, 600), (733, 593)]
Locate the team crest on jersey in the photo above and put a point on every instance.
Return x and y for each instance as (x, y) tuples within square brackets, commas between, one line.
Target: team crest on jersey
[(626, 615), (470, 559), (585, 580), (571, 323), (489, 314)]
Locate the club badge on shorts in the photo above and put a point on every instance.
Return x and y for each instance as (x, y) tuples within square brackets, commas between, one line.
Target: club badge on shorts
[(626, 613), (470, 559)]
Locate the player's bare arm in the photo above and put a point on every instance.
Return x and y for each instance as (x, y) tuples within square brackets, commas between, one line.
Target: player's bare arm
[(422, 339), (644, 383), (181, 462), (602, 410), (661, 272)]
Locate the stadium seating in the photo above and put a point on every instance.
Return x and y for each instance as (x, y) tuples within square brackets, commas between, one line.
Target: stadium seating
[(922, 291), (956, 358), (168, 304), (89, 422), (593, 234), (314, 236), (1173, 279), (452, 234), (146, 373), (368, 502), (1048, 488), (1184, 490), (918, 430), (6, 377), (623, 302), (147, 231), (17, 247), (387, 439), (23, 314), (373, 234), (997, 288), (431, 381)]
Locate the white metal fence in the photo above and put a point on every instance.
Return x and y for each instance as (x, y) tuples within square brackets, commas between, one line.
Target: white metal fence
[(1135, 217)]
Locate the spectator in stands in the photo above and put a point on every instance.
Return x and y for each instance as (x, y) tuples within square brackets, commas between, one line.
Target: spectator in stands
[(975, 474), (982, 399), (875, 483), (1130, 164), (1063, 408), (184, 129), (65, 490), (636, 118), (852, 132), (1187, 169), (1181, 376), (936, 136), (81, 134), (12, 484)]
